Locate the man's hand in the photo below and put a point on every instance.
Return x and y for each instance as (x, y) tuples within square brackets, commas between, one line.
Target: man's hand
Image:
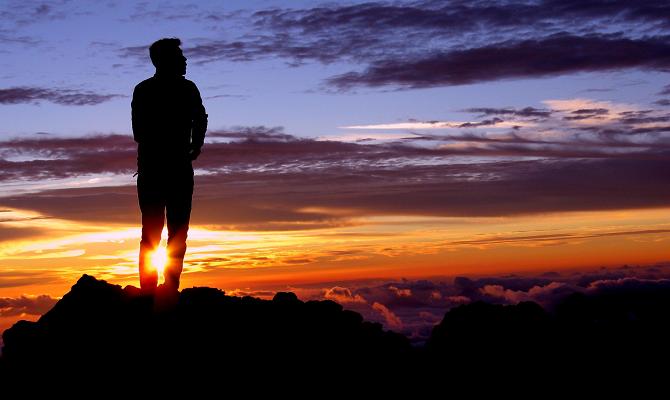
[(194, 153)]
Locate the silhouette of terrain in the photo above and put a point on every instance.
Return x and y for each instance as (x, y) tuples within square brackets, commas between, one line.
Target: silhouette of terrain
[(98, 329), (106, 329)]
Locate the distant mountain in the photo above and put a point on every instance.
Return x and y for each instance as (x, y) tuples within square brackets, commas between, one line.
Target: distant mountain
[(201, 335)]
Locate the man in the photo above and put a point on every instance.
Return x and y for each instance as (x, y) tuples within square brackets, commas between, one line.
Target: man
[(169, 125)]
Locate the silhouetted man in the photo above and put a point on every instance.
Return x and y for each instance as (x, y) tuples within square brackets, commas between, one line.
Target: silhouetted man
[(169, 125)]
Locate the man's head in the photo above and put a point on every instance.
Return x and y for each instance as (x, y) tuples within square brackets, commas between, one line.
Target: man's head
[(167, 57)]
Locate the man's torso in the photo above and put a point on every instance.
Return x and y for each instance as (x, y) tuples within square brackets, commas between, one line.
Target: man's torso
[(162, 111)]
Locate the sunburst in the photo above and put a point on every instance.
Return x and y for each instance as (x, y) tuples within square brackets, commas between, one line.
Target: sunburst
[(159, 260)]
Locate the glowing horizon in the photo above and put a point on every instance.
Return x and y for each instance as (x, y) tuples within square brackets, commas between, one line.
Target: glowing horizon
[(389, 247)]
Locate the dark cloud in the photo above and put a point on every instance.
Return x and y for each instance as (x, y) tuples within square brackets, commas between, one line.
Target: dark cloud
[(524, 112), (263, 294), (15, 278), (555, 237), (460, 16), (550, 56), (42, 9), (587, 113), (645, 120), (665, 91), (225, 96), (485, 122), (597, 90), (265, 179), (60, 157), (471, 137), (652, 130), (18, 14), (281, 200), (140, 52), (116, 204), (11, 39), (145, 11), (34, 305), (591, 111), (398, 41), (67, 97), (8, 233)]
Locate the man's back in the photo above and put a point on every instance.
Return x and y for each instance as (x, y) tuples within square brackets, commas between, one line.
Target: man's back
[(168, 121)]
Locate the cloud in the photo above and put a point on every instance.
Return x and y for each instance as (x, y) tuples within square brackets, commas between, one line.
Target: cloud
[(460, 16), (395, 42), (8, 38), (342, 295), (372, 30), (67, 97), (401, 292), (37, 158), (392, 320), (524, 112), (553, 238), (628, 283), (14, 279), (547, 295), (417, 125), (171, 12), (21, 14), (263, 294), (413, 307), (260, 178), (33, 305), (9, 233), (304, 200), (532, 58)]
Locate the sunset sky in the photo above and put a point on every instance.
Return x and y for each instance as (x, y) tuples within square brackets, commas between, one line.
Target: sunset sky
[(352, 146)]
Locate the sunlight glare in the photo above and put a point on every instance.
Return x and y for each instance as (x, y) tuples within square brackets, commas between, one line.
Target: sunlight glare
[(159, 259)]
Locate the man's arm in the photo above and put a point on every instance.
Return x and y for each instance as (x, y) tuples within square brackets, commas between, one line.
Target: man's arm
[(199, 123), (138, 115)]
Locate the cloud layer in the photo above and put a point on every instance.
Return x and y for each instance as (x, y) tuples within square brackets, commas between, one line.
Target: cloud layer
[(32, 305), (66, 97), (574, 155), (542, 57), (413, 307), (430, 43)]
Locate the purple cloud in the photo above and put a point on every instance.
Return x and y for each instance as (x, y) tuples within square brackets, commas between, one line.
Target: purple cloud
[(550, 56), (413, 307), (570, 171), (524, 112), (67, 97), (396, 42)]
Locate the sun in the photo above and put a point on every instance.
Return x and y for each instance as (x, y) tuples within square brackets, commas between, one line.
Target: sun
[(159, 259)]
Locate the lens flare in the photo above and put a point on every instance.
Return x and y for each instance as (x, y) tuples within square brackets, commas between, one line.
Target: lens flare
[(159, 259)]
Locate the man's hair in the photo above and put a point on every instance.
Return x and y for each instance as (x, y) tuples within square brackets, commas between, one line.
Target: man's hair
[(162, 48)]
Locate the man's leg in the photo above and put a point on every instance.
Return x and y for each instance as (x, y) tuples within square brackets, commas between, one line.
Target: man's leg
[(153, 218), (178, 208)]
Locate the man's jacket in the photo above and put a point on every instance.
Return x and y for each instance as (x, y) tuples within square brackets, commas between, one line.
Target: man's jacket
[(168, 121)]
